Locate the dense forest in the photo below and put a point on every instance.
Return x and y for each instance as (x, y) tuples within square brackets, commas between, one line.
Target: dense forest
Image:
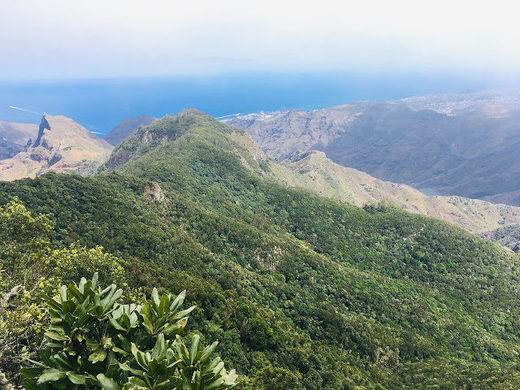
[(302, 292)]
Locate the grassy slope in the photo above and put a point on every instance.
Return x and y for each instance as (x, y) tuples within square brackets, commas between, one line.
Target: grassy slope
[(340, 295), (315, 172)]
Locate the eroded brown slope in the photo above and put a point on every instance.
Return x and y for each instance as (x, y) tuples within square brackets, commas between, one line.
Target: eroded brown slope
[(61, 145)]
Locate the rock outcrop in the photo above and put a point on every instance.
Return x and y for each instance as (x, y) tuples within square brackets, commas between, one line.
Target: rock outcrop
[(61, 145)]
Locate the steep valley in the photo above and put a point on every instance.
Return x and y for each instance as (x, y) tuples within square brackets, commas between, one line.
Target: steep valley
[(462, 145)]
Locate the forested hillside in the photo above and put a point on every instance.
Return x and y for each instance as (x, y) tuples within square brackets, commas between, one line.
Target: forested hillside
[(303, 292)]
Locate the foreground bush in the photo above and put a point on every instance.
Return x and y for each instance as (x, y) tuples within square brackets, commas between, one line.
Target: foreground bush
[(95, 342)]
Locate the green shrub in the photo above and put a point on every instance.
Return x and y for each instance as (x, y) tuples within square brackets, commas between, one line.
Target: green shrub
[(273, 378), (94, 342)]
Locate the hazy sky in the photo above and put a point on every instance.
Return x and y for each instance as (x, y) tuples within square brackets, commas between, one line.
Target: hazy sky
[(92, 38)]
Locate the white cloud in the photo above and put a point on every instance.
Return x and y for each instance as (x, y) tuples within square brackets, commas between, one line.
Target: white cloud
[(66, 38)]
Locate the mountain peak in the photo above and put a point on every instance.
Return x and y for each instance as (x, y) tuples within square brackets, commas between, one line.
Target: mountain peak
[(62, 145), (44, 125), (167, 129), (192, 111)]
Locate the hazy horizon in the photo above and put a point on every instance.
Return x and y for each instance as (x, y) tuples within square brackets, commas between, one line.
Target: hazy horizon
[(58, 39)]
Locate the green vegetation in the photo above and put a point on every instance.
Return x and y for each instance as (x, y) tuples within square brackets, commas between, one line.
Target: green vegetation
[(96, 342), (301, 291)]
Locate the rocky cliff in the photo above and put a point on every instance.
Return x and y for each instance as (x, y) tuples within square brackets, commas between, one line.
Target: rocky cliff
[(61, 145)]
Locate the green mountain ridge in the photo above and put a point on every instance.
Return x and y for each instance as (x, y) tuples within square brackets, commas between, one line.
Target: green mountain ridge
[(315, 172), (338, 296)]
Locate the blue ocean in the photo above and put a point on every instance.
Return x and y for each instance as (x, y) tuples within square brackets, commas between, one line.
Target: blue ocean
[(102, 103)]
